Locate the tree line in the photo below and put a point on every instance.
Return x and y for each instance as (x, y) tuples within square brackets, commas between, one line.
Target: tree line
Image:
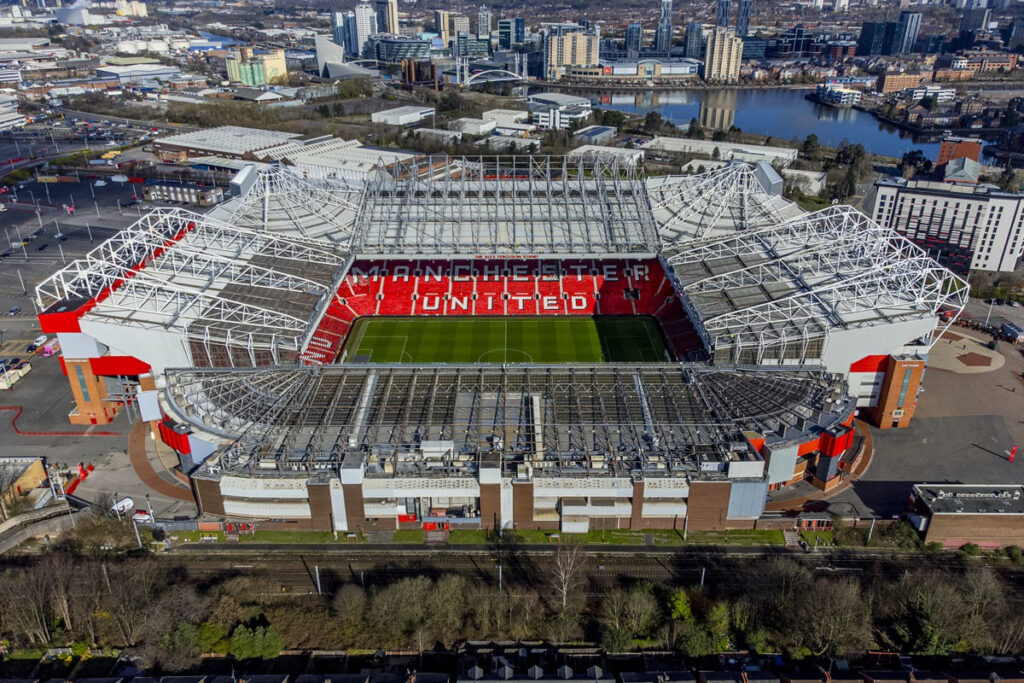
[(168, 617)]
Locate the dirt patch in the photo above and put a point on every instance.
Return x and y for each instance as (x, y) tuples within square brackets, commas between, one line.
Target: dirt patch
[(974, 360)]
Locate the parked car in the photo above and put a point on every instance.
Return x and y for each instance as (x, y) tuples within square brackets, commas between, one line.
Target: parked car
[(40, 340), (14, 310), (122, 506), (142, 516)]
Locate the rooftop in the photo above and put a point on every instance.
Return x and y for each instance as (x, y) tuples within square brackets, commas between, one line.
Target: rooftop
[(971, 499), (234, 140), (612, 420)]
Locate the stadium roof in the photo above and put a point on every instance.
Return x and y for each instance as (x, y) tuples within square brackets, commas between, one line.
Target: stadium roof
[(223, 287), (721, 202), (778, 289), (604, 419), (485, 205), (506, 205), (282, 202)]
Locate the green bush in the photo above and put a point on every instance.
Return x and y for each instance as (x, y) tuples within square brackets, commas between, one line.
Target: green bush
[(970, 549), (1015, 554), (255, 643)]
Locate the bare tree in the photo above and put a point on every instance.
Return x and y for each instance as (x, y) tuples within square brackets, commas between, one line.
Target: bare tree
[(24, 605), (567, 575), (58, 573)]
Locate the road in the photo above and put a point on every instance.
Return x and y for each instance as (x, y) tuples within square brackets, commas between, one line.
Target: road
[(178, 127)]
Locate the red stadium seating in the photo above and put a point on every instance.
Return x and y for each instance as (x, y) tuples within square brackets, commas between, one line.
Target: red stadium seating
[(404, 287)]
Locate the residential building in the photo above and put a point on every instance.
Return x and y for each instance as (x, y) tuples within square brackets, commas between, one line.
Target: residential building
[(909, 28), (339, 27), (743, 21), (975, 19), (634, 39), (694, 40), (457, 23), (365, 25), (574, 48), (511, 32), (257, 67), (483, 22), (723, 56), (894, 82), (936, 92), (959, 148), (838, 95), (963, 227), (724, 10), (663, 35), (387, 16), (386, 12), (879, 38), (442, 24)]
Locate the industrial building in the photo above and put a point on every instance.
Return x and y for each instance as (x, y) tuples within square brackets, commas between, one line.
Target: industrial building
[(991, 516), (402, 116), (227, 333)]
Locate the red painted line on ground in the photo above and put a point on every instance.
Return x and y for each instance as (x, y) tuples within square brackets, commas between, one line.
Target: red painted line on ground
[(17, 414)]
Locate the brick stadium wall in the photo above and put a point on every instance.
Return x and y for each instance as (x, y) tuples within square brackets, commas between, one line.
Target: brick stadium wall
[(708, 505), (208, 496), (954, 530)]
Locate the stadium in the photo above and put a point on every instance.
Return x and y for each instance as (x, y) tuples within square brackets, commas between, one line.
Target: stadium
[(505, 342)]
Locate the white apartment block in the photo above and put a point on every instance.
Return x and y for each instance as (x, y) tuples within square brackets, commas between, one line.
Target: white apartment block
[(963, 227)]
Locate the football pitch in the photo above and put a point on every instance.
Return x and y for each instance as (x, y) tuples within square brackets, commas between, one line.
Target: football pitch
[(603, 339)]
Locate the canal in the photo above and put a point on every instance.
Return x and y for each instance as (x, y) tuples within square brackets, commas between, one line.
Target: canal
[(784, 114)]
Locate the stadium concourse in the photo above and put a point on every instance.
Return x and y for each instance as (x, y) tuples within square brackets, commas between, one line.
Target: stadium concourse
[(344, 356)]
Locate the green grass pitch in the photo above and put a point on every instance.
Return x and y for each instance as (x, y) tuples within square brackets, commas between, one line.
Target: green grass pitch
[(611, 339)]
